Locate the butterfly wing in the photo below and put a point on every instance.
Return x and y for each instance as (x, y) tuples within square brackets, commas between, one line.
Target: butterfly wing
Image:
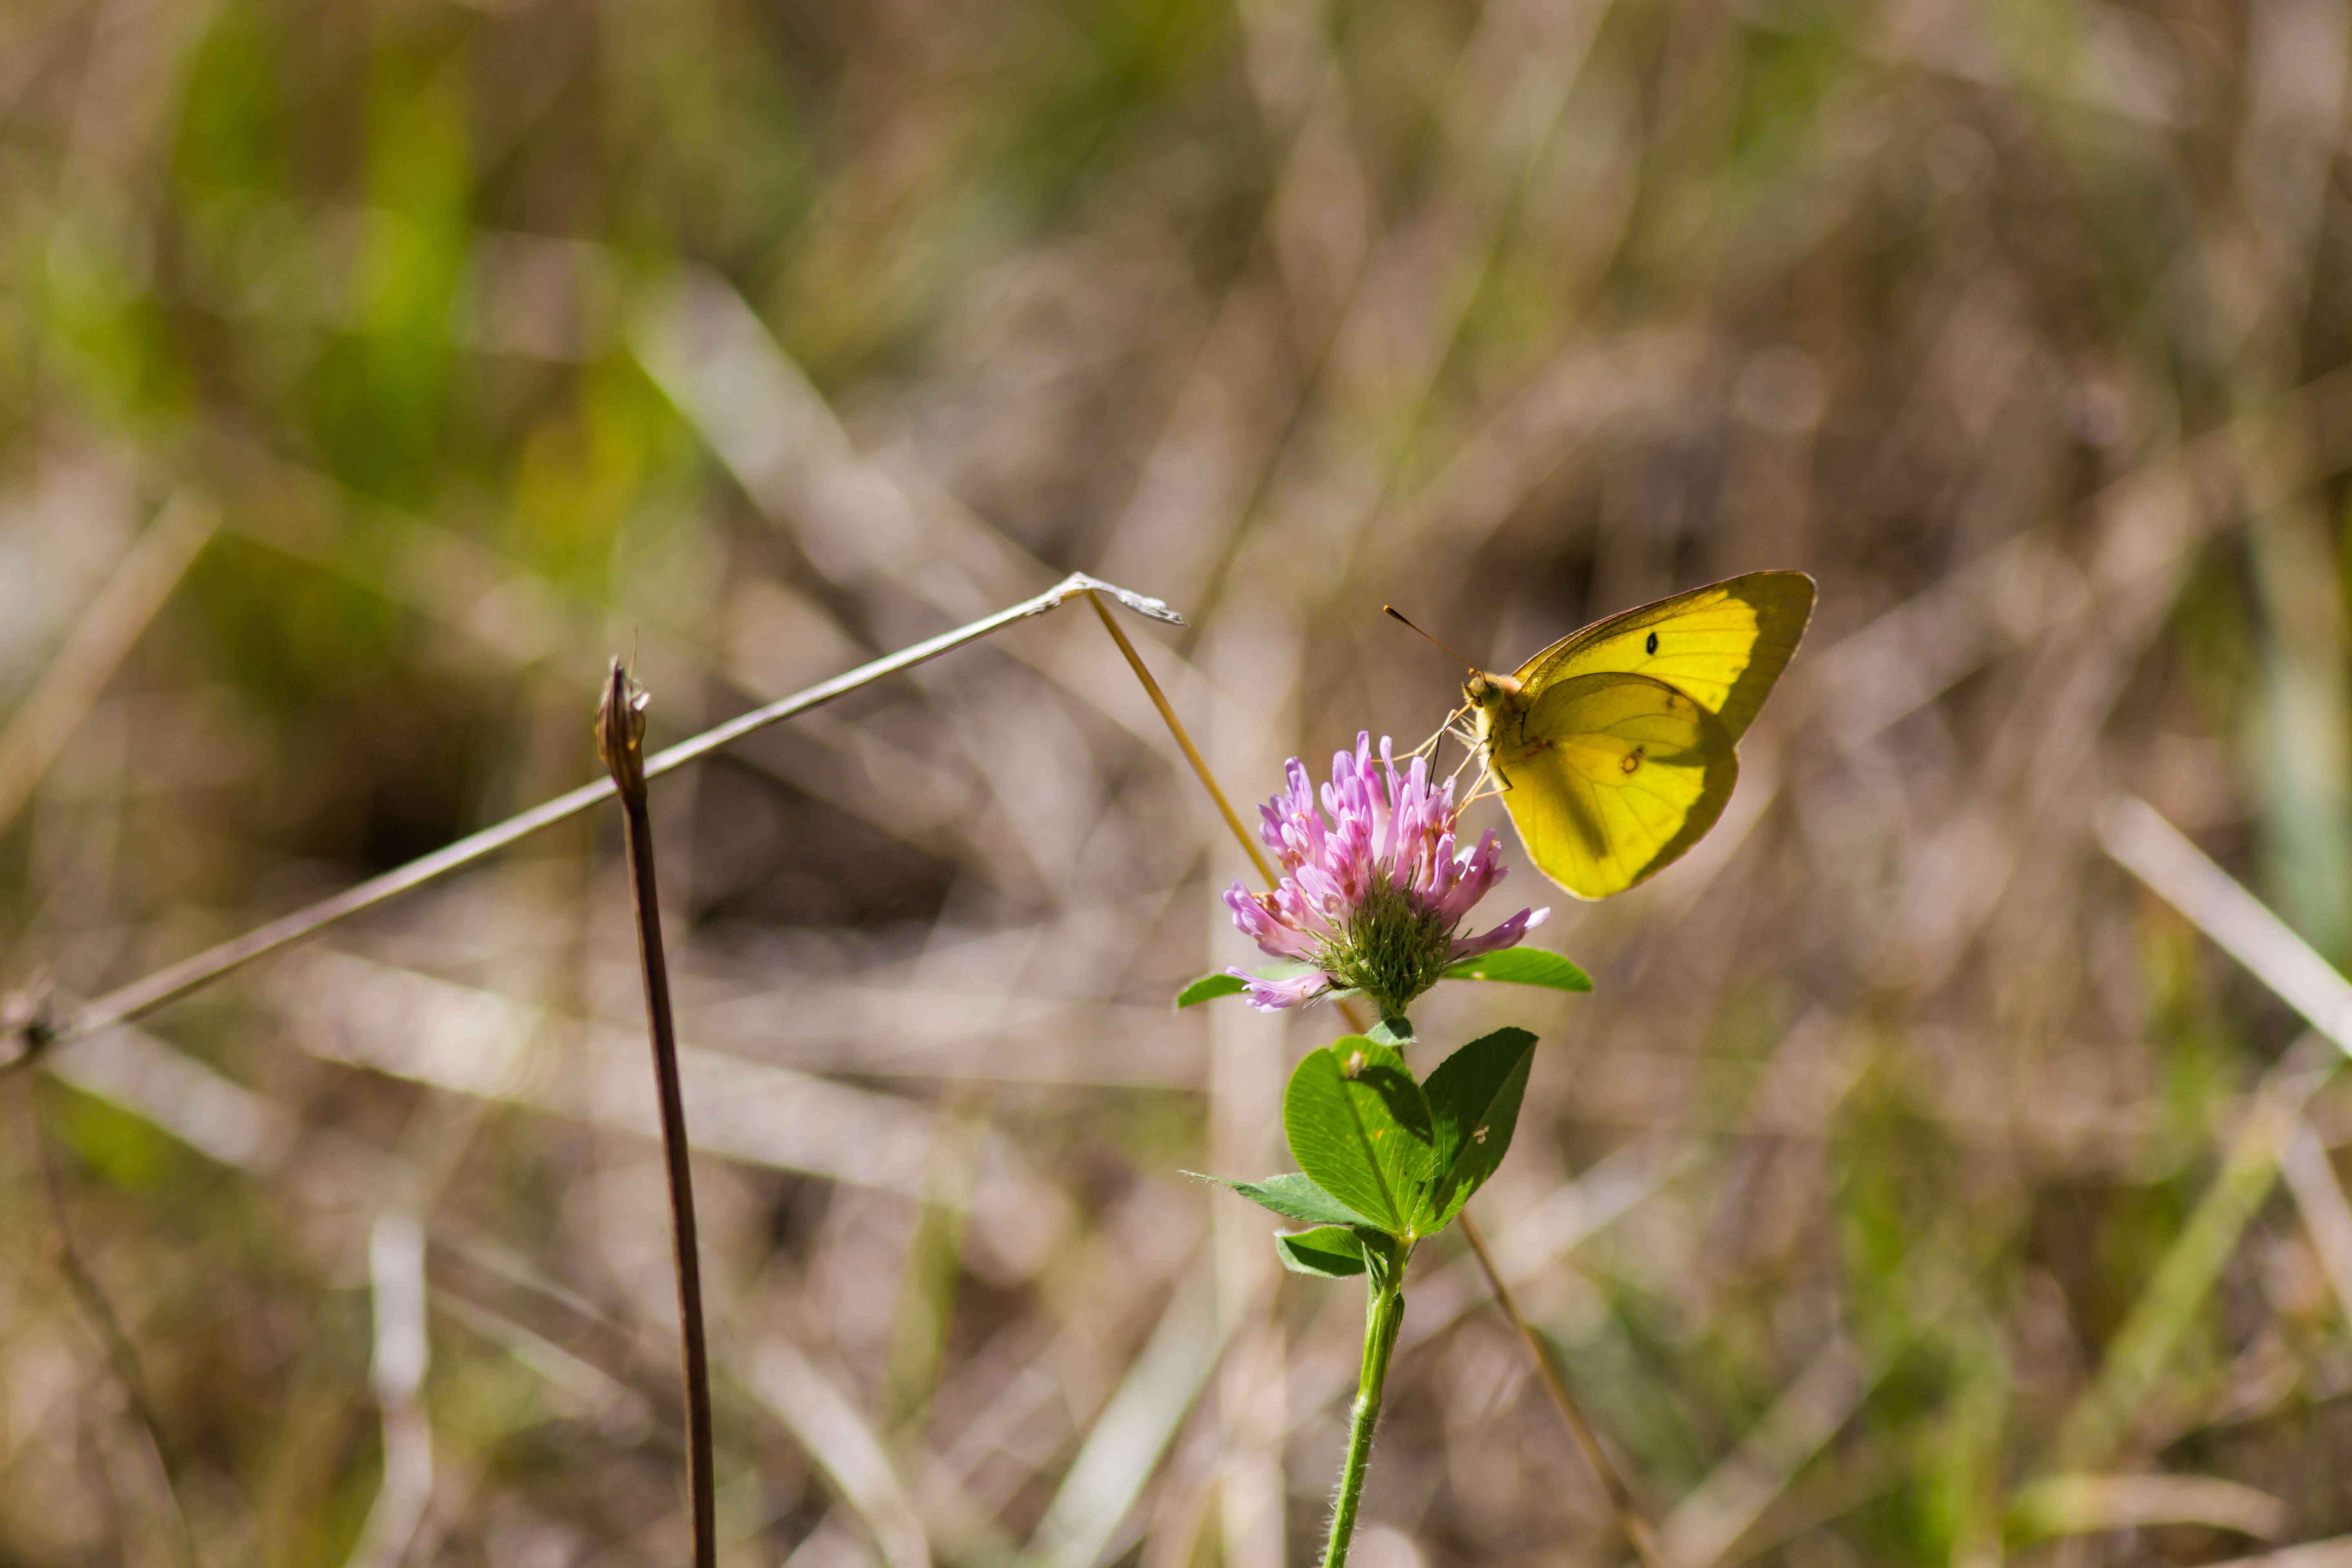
[(1611, 776), (1722, 645)]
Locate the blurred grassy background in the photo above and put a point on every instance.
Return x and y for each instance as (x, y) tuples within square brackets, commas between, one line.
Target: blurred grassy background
[(369, 373)]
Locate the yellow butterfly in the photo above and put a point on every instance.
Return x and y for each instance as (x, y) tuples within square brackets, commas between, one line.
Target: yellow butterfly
[(1613, 747)]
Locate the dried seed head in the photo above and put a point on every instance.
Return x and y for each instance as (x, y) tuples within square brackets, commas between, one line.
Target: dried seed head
[(621, 731)]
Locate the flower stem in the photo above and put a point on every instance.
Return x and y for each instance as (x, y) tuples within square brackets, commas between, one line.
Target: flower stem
[(1383, 1314), (1621, 1497), (620, 738)]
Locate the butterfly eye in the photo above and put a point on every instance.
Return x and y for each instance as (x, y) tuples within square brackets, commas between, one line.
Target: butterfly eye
[(1653, 645)]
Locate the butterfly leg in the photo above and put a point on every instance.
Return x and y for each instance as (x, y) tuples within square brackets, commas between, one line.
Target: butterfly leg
[(1439, 733), (1502, 787), (1487, 770), (1473, 750)]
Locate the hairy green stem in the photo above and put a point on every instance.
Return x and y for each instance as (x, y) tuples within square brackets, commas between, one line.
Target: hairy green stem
[(1383, 1314)]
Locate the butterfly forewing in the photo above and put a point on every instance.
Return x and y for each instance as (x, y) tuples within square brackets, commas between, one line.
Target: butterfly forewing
[(1722, 645), (1612, 776)]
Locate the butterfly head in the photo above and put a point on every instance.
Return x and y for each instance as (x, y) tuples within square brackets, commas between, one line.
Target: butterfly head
[(1484, 690)]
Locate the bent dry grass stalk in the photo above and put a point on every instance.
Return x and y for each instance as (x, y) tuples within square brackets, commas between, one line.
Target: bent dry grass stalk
[(168, 985), (1631, 1520), (620, 742), (29, 1021), (621, 719)]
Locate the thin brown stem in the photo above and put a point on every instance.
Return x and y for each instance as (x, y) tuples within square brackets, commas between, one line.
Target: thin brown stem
[(620, 741), (168, 985), (1176, 728), (121, 1357), (1621, 1497)]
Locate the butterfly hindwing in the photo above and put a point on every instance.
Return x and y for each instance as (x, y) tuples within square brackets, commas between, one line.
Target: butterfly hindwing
[(1722, 645), (1612, 776)]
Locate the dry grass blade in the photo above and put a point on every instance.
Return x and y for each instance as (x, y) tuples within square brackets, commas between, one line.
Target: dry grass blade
[(211, 1113), (1935, 1277), (1709, 1522), (1131, 1433), (479, 1043), (397, 1294), (2240, 925), (1184, 739), (2094, 1505), (167, 985), (2152, 850), (103, 638), (2326, 1214), (2333, 1552), (1546, 1235), (2136, 1356), (857, 519), (829, 1428)]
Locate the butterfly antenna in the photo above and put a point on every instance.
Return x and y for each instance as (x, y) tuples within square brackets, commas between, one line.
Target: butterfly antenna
[(1392, 610)]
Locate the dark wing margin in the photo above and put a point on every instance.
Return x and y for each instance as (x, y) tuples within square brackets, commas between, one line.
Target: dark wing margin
[(1784, 603), (1592, 835)]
